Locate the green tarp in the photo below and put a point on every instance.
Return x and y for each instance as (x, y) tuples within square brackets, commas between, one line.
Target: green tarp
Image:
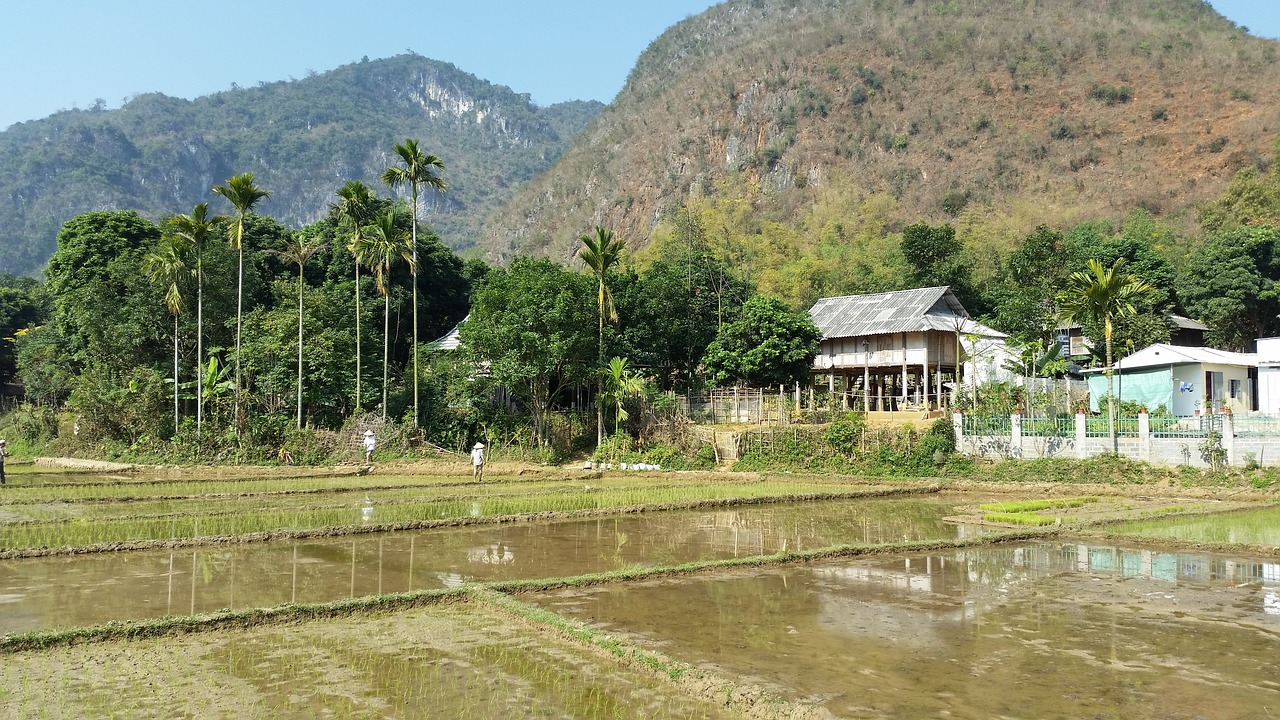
[(1152, 388)]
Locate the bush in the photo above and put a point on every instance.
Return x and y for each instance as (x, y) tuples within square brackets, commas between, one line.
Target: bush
[(1111, 94)]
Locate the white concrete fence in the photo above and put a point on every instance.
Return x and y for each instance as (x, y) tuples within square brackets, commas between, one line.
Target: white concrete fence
[(1201, 441)]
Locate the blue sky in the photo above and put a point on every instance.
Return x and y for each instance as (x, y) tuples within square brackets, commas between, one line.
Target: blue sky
[(60, 54)]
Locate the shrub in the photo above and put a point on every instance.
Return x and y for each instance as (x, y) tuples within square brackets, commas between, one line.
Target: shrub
[(1111, 94), (1060, 130)]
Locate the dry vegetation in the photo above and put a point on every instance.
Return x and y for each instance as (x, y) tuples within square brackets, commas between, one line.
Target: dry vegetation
[(994, 115)]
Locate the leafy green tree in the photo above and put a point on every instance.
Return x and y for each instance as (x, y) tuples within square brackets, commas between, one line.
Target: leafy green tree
[(419, 169), (299, 250), (935, 257), (1230, 284), (530, 325), (44, 364), (670, 345), (378, 249), (356, 208), (100, 308), (1023, 296), (1103, 294), (767, 345), (1252, 199), (23, 304), (243, 195), (166, 265), (600, 254), (199, 230)]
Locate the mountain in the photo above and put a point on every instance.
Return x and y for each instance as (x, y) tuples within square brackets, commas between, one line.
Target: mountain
[(303, 139), (993, 115)]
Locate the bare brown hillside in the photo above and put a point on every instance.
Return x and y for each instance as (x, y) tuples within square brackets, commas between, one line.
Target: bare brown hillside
[(996, 115)]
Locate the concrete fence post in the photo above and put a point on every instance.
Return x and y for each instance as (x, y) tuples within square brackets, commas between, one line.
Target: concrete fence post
[(957, 426), (1015, 435), (1144, 437), (1229, 438), (1081, 430)]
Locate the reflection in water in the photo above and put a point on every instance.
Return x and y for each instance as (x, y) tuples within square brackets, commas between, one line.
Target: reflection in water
[(1037, 630), (64, 591)]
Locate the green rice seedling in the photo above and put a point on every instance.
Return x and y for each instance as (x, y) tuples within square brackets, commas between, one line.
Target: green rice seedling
[(1024, 506), (1021, 518)]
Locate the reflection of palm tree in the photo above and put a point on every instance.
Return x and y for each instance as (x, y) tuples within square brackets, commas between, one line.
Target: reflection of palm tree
[(356, 207), (1104, 295), (243, 195), (600, 254), (419, 169), (198, 229), (376, 249), (166, 265), (298, 250)]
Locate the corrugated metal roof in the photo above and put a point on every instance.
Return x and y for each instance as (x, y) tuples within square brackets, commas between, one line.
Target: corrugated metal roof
[(1163, 354), (917, 310), (451, 339)]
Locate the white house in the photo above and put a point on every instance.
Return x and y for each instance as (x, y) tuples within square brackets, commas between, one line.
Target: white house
[(1185, 380), (1269, 375)]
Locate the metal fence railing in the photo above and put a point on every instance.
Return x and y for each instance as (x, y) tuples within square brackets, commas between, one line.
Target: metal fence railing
[(1060, 426), (1196, 426)]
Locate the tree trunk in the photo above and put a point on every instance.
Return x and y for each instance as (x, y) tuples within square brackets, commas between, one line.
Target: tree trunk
[(239, 313), (386, 341), (199, 340), (1111, 392), (300, 346), (414, 271), (357, 407), (600, 363), (175, 373)]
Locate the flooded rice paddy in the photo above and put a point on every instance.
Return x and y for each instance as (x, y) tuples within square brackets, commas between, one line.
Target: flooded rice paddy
[(61, 591), (462, 661), (1249, 527), (1032, 631), (1016, 630)]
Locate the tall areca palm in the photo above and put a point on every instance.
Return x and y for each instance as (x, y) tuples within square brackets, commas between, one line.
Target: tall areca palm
[(1103, 294), (378, 249), (198, 229), (600, 253), (243, 195), (355, 207), (166, 265), (418, 169), (297, 250)]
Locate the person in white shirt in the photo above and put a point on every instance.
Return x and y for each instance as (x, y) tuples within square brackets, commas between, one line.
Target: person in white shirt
[(477, 462), (370, 442)]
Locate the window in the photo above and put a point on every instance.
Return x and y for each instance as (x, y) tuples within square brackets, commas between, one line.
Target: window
[(1235, 388)]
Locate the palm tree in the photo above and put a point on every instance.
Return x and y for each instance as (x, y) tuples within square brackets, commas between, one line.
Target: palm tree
[(620, 383), (243, 195), (355, 207), (377, 248), (418, 169), (166, 265), (1104, 295), (198, 229), (297, 250), (600, 254)]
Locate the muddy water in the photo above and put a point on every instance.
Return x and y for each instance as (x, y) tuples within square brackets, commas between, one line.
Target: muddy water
[(1041, 630), (439, 662), (66, 591)]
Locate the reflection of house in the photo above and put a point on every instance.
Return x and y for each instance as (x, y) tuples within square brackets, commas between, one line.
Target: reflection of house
[(1185, 380), (901, 346)]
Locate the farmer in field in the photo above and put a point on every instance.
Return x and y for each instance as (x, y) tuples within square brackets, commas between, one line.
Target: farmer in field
[(370, 442), (2, 454), (477, 462)]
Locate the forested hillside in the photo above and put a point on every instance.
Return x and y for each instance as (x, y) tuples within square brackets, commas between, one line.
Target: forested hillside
[(302, 138), (818, 130)]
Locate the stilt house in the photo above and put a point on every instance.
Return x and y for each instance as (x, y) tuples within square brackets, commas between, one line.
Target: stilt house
[(896, 351)]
